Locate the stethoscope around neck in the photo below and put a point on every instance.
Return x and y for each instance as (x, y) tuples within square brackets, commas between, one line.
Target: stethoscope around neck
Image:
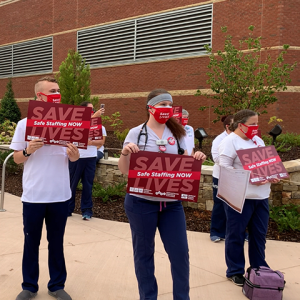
[(144, 128)]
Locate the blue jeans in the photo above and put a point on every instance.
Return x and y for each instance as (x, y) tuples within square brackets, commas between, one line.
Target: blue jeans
[(255, 216), (55, 216), (218, 216), (84, 169), (144, 217)]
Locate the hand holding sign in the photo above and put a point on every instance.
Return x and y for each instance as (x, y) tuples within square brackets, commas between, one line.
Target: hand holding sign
[(34, 145)]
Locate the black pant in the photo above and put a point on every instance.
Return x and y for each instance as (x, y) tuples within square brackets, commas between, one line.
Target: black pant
[(55, 215)]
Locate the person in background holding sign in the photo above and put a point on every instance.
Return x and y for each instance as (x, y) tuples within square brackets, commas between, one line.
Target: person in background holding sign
[(218, 216), (255, 214), (44, 197), (84, 169), (160, 133), (190, 136)]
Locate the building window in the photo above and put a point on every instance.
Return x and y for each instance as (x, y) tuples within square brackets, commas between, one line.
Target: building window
[(26, 58), (179, 33)]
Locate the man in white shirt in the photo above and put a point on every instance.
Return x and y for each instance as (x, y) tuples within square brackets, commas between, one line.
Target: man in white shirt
[(84, 170), (190, 136), (46, 190)]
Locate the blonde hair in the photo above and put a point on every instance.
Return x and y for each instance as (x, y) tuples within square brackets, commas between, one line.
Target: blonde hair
[(38, 85)]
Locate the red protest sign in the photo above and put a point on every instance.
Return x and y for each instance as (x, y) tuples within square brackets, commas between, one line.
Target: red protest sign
[(164, 175), (263, 162), (96, 129), (177, 113), (58, 124)]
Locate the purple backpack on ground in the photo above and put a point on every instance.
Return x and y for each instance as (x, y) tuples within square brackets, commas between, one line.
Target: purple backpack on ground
[(263, 284)]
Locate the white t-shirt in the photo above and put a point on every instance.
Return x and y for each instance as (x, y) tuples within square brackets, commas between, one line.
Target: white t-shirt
[(228, 148), (46, 172), (101, 149), (215, 153), (189, 139), (132, 137)]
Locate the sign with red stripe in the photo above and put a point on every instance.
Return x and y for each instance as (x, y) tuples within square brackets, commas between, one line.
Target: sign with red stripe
[(263, 162), (58, 124), (96, 129), (164, 175)]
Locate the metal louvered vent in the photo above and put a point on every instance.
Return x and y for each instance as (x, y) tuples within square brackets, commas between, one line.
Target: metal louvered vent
[(25, 58), (168, 35), (5, 61), (107, 44), (178, 33)]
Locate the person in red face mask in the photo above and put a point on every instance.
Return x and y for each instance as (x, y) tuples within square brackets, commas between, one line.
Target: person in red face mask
[(44, 200), (255, 214), (190, 136), (48, 91), (146, 214)]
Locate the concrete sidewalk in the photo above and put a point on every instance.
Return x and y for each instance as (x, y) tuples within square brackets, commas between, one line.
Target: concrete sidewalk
[(100, 263)]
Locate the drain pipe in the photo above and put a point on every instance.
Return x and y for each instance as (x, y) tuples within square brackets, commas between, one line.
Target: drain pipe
[(3, 181)]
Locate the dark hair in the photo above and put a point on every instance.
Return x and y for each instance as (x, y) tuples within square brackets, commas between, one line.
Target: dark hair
[(177, 129), (227, 120), (241, 116), (85, 103)]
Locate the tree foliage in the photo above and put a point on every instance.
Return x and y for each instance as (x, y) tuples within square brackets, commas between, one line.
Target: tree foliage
[(240, 79), (9, 107), (74, 79)]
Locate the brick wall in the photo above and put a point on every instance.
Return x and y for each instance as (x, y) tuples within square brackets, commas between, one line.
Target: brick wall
[(275, 20)]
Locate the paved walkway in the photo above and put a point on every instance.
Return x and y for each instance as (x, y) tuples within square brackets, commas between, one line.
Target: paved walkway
[(100, 264)]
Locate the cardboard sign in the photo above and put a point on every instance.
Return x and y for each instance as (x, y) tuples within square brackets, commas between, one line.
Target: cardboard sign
[(263, 162), (164, 175), (58, 124), (96, 129), (177, 113)]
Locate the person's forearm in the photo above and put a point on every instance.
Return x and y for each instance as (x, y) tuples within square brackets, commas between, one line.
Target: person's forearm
[(97, 143), (124, 163), (19, 158)]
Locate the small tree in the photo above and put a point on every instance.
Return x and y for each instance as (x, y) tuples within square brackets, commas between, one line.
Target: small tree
[(9, 107), (240, 80), (74, 79)]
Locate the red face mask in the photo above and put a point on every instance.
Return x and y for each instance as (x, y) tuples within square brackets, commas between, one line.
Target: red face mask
[(53, 98), (184, 121), (251, 132), (162, 113)]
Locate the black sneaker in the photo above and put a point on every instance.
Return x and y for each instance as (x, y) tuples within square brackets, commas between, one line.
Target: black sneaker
[(237, 279)]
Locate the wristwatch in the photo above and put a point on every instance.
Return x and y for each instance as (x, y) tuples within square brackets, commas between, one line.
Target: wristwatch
[(25, 153)]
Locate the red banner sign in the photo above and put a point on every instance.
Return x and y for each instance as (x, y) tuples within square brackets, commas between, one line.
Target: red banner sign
[(96, 129), (177, 113), (164, 175), (58, 124), (263, 162)]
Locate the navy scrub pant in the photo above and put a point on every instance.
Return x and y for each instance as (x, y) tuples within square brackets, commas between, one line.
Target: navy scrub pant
[(144, 217), (84, 169), (55, 216), (218, 216), (255, 216)]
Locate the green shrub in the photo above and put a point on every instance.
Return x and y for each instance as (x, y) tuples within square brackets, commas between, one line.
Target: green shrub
[(110, 192), (208, 162), (9, 107), (11, 166), (287, 217), (7, 130)]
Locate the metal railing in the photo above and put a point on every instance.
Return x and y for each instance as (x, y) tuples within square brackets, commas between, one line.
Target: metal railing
[(3, 181)]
